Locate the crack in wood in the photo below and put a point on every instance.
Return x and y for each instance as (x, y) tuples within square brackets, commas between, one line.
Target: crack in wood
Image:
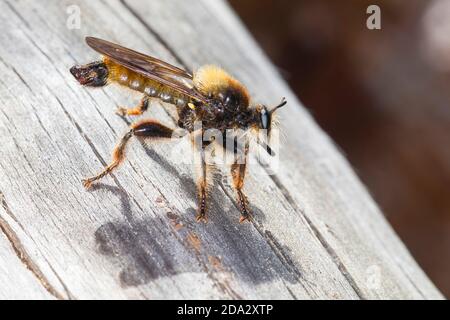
[(17, 73), (334, 256), (24, 21), (291, 293), (69, 294), (273, 243), (21, 252)]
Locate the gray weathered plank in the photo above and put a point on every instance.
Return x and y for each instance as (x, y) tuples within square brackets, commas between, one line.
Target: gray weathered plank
[(19, 277), (316, 232)]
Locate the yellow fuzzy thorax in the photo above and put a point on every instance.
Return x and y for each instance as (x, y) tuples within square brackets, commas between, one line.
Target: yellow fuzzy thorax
[(212, 79)]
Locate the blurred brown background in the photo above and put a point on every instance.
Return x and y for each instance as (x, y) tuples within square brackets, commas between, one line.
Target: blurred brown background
[(382, 95)]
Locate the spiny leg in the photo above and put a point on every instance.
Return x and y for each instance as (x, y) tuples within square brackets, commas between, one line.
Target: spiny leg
[(202, 186), (202, 171), (139, 109), (144, 129), (238, 169), (118, 156)]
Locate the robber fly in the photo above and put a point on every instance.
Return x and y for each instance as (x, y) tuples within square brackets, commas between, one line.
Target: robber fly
[(209, 95)]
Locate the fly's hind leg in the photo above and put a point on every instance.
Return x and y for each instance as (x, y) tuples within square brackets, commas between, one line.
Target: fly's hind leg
[(238, 170), (139, 109), (147, 129), (117, 157)]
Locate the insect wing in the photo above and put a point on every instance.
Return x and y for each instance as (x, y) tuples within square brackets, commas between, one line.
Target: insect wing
[(150, 67)]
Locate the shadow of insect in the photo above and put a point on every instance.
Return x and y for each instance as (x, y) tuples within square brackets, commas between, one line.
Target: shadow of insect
[(150, 248)]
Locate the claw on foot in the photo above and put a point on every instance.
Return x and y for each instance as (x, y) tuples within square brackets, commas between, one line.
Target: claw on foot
[(244, 218), (87, 183), (121, 111), (201, 218)]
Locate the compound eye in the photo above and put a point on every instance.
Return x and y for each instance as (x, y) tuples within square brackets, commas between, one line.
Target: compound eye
[(264, 119)]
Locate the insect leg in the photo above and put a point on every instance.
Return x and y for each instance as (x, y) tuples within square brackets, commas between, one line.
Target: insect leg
[(238, 170), (202, 186), (202, 172), (144, 129), (139, 109)]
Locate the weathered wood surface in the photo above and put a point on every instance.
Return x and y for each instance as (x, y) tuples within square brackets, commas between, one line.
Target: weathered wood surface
[(316, 231)]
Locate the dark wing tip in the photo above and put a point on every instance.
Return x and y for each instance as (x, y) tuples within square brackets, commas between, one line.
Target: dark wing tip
[(90, 40), (94, 42)]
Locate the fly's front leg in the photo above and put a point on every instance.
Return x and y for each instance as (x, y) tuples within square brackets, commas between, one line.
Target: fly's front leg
[(139, 109), (238, 170), (147, 129)]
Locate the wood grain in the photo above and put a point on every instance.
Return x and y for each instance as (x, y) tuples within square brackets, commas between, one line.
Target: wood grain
[(316, 232)]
